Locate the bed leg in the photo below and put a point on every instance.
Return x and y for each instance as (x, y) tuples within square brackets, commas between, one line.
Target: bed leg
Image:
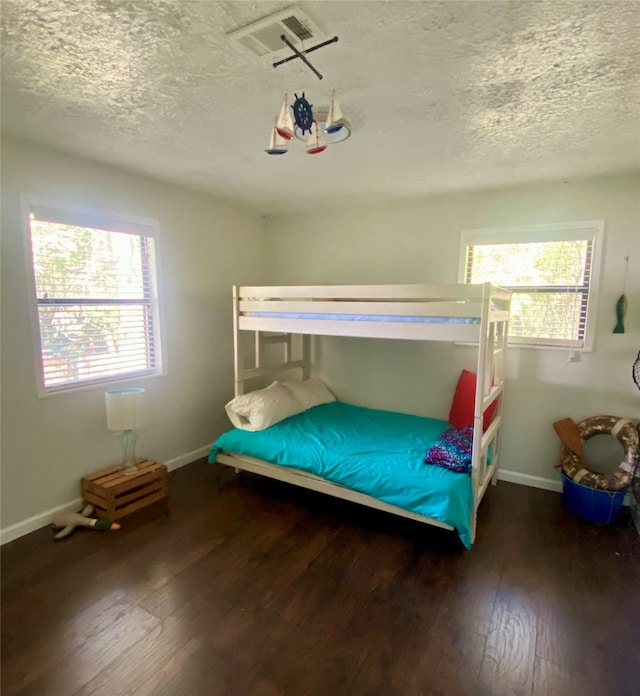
[(494, 476), (473, 525), (235, 468)]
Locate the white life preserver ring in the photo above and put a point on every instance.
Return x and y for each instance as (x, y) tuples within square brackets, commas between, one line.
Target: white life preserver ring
[(626, 433)]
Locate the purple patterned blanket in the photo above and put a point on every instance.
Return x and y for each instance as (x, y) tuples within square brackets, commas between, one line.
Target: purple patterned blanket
[(452, 450)]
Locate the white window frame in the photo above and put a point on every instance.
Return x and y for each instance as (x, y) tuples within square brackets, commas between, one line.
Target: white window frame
[(70, 214), (550, 232)]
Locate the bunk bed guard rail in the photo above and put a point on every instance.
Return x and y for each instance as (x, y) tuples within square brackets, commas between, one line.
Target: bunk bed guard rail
[(450, 312)]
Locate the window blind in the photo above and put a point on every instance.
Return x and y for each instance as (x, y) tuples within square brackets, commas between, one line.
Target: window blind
[(96, 298), (551, 280)]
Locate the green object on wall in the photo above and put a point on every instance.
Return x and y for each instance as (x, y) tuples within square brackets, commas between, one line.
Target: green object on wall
[(622, 303), (621, 310)]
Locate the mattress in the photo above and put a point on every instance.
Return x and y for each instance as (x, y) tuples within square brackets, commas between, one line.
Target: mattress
[(366, 317), (378, 453)]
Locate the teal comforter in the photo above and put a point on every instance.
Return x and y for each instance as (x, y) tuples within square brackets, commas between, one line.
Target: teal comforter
[(379, 453)]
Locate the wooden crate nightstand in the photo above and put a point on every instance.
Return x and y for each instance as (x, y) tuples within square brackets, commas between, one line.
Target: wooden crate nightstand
[(114, 494)]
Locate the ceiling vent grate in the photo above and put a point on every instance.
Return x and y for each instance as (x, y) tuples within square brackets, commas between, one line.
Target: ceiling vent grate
[(262, 38), (297, 27)]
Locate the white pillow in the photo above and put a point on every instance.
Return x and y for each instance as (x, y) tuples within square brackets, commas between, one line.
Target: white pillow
[(310, 392), (259, 409)]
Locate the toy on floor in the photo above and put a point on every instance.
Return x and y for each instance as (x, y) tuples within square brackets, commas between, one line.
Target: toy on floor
[(70, 520)]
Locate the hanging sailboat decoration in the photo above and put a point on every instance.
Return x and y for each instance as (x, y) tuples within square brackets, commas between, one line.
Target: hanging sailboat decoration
[(316, 142), (622, 304), (316, 130), (284, 123), (277, 144), (335, 119)]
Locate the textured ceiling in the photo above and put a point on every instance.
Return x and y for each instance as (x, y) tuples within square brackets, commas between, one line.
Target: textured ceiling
[(442, 95)]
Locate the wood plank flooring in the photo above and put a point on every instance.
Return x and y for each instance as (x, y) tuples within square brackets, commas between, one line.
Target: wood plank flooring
[(250, 587)]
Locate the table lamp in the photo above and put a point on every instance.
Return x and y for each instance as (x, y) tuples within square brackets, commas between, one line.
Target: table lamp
[(124, 413)]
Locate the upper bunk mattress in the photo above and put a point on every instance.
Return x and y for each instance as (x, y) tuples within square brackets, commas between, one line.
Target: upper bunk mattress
[(367, 317), (378, 453)]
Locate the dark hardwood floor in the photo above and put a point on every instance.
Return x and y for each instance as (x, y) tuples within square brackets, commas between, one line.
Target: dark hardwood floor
[(252, 587)]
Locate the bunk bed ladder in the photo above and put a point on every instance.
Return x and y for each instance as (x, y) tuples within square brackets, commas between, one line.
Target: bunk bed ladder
[(263, 339), (500, 372), (477, 461), (490, 372), (238, 382)]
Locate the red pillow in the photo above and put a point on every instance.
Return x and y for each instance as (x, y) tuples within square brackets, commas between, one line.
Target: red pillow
[(461, 413)]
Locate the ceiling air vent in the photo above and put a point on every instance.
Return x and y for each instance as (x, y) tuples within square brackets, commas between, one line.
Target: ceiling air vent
[(262, 38)]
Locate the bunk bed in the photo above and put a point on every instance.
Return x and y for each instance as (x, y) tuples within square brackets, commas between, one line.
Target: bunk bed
[(286, 317)]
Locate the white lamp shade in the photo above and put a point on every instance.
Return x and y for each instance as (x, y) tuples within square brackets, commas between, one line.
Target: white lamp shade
[(337, 135), (124, 409)]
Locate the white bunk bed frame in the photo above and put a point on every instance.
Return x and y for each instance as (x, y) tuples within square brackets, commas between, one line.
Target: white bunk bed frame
[(487, 304)]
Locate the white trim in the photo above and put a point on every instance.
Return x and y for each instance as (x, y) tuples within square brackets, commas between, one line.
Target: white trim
[(183, 460), (90, 216), (113, 221), (548, 232), (32, 302), (37, 521), (528, 480), (539, 482), (43, 519)]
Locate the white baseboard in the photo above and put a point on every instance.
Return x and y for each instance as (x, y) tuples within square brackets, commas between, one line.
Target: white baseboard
[(19, 529), (185, 459), (539, 482), (529, 480), (44, 518)]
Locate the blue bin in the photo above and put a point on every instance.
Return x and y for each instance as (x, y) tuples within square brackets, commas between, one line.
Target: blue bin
[(591, 503)]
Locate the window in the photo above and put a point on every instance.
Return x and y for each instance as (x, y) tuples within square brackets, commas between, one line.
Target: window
[(96, 301), (551, 270)]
